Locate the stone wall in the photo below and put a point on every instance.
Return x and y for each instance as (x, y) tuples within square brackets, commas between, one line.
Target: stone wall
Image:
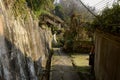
[(24, 46)]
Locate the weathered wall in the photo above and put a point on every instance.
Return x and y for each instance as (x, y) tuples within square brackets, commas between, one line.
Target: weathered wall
[(107, 56), (24, 46)]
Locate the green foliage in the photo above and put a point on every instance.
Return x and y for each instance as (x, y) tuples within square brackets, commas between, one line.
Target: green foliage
[(19, 8), (59, 11), (40, 5), (76, 37), (109, 20), (111, 15)]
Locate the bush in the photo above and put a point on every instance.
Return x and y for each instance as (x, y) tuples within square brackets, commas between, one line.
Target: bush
[(109, 20), (40, 5)]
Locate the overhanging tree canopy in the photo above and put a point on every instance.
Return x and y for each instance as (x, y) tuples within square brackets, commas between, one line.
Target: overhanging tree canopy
[(109, 20)]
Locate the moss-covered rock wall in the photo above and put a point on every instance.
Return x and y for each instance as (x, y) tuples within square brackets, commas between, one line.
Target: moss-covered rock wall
[(24, 46)]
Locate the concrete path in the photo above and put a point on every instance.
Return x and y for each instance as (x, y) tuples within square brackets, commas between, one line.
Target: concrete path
[(62, 68)]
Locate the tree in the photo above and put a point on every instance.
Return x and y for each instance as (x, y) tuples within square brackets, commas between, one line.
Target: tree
[(109, 20), (59, 11), (75, 6)]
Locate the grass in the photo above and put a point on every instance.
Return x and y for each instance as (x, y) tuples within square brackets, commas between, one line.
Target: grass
[(81, 64), (81, 61)]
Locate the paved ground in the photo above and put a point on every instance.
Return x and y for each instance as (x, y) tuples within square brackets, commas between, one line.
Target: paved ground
[(62, 68)]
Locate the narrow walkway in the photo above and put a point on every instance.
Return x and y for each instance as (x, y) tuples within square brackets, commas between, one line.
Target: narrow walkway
[(62, 68)]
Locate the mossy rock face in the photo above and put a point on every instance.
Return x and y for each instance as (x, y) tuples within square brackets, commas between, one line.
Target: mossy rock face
[(25, 46), (23, 6)]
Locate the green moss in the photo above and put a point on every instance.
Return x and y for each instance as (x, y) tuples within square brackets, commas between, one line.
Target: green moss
[(21, 8), (39, 6)]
